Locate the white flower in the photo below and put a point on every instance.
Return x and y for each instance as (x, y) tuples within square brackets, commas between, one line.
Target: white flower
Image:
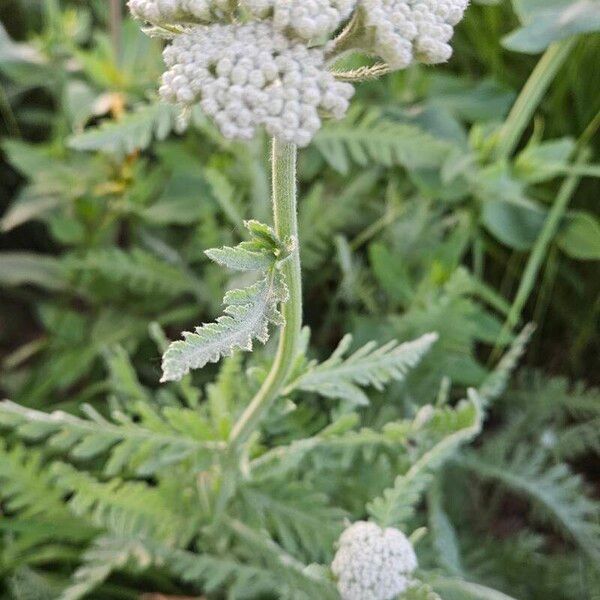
[(166, 12), (413, 30), (249, 75), (311, 18), (373, 563)]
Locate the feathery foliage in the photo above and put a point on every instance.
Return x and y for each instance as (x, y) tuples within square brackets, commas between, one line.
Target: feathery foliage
[(342, 378)]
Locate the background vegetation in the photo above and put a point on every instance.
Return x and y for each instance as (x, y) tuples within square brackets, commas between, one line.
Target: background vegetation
[(424, 210)]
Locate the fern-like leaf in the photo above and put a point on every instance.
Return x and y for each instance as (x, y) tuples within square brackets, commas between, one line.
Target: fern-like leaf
[(364, 137), (134, 131), (455, 427), (555, 492), (105, 555), (127, 508), (156, 441), (299, 517), (249, 313), (342, 378), (139, 271)]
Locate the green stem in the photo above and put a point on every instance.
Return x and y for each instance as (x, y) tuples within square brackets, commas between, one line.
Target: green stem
[(286, 226), (116, 25), (530, 97), (536, 258)]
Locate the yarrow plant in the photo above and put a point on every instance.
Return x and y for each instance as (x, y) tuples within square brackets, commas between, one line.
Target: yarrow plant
[(271, 64)]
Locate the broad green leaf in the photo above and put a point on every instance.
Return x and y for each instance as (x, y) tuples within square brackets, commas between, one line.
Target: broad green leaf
[(580, 236), (548, 21), (541, 162), (515, 224)]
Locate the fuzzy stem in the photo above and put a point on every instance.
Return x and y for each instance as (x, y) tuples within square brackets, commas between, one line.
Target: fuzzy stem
[(286, 226)]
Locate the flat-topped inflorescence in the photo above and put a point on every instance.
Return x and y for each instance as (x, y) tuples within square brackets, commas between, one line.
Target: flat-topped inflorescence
[(373, 563), (248, 75), (407, 31)]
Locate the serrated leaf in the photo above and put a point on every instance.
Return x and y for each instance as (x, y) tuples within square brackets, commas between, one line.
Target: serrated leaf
[(239, 259), (248, 315), (456, 427), (135, 131), (342, 379), (366, 138)]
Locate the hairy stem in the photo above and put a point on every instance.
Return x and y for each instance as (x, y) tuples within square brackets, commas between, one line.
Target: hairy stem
[(531, 95), (286, 226)]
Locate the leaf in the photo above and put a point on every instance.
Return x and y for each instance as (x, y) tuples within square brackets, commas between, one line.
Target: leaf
[(144, 446), (419, 591), (134, 131), (248, 315), (27, 268), (105, 555), (549, 21), (298, 516), (456, 427), (515, 224), (340, 378), (258, 254), (139, 271), (579, 237), (366, 138), (556, 493), (496, 382), (29, 204), (541, 162), (458, 589), (239, 259)]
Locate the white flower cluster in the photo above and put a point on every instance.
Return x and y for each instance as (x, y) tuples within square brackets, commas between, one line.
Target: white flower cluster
[(413, 30), (247, 75), (373, 563), (162, 12), (311, 18)]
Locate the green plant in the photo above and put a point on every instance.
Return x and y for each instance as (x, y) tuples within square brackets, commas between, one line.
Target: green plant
[(240, 486)]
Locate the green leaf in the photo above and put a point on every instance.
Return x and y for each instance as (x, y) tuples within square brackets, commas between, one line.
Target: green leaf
[(342, 378), (248, 315), (366, 138), (556, 493), (134, 131), (258, 254), (455, 428), (458, 589), (516, 224), (144, 447), (27, 268), (579, 237), (541, 162), (548, 21)]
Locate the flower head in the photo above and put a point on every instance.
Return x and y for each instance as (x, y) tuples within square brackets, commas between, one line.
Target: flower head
[(373, 563), (247, 75), (406, 31), (167, 12), (310, 19)]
